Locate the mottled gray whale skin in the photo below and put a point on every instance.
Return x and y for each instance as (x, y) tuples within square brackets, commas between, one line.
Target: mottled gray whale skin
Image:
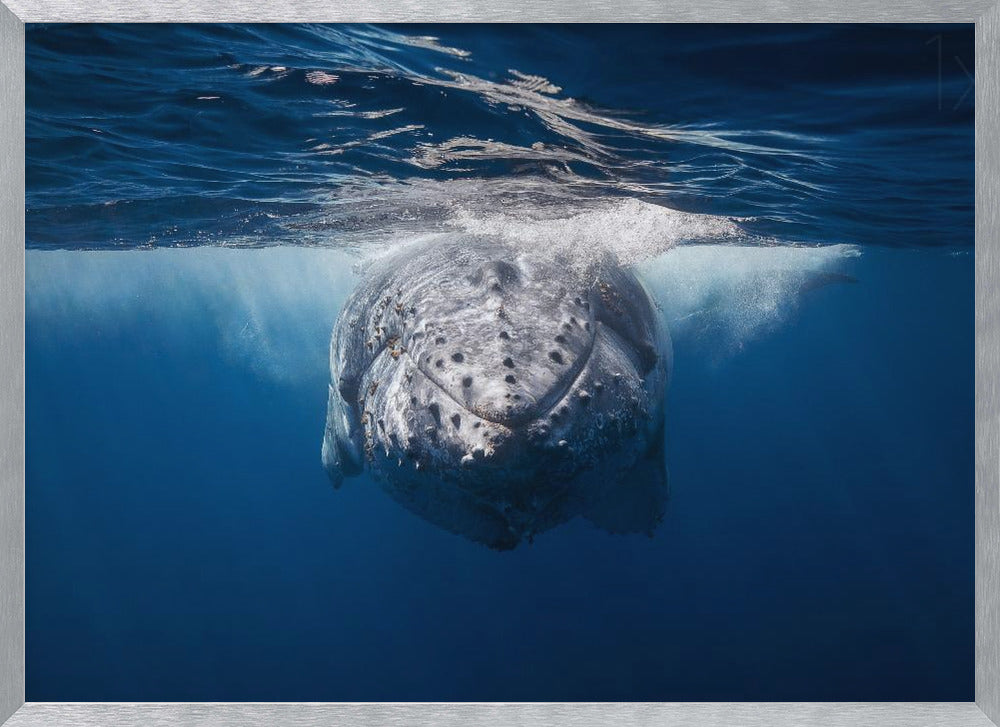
[(498, 393)]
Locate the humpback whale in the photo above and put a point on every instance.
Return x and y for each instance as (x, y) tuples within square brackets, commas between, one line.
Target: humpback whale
[(498, 392)]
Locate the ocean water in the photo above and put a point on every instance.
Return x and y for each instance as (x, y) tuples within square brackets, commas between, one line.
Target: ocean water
[(202, 199)]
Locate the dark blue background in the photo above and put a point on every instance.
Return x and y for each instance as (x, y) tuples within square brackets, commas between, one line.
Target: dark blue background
[(183, 542)]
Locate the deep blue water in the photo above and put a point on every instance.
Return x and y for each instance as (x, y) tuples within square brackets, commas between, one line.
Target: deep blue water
[(197, 200)]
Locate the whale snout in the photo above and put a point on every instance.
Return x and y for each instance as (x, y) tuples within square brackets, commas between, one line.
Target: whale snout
[(501, 342), (506, 427)]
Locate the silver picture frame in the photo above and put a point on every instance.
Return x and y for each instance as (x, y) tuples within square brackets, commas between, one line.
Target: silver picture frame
[(981, 713)]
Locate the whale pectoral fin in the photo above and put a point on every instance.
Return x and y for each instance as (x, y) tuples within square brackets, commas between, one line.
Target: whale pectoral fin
[(331, 462), (636, 501), (342, 452)]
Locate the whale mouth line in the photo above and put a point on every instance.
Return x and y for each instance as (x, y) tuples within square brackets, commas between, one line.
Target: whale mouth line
[(554, 397)]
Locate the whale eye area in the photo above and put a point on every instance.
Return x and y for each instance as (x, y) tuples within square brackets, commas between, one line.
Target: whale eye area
[(504, 336), (467, 382)]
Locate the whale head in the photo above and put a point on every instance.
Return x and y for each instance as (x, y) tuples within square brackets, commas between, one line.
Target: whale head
[(498, 393)]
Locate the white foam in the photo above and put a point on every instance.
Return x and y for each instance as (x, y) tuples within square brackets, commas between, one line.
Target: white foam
[(633, 230), (728, 295), (272, 308)]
